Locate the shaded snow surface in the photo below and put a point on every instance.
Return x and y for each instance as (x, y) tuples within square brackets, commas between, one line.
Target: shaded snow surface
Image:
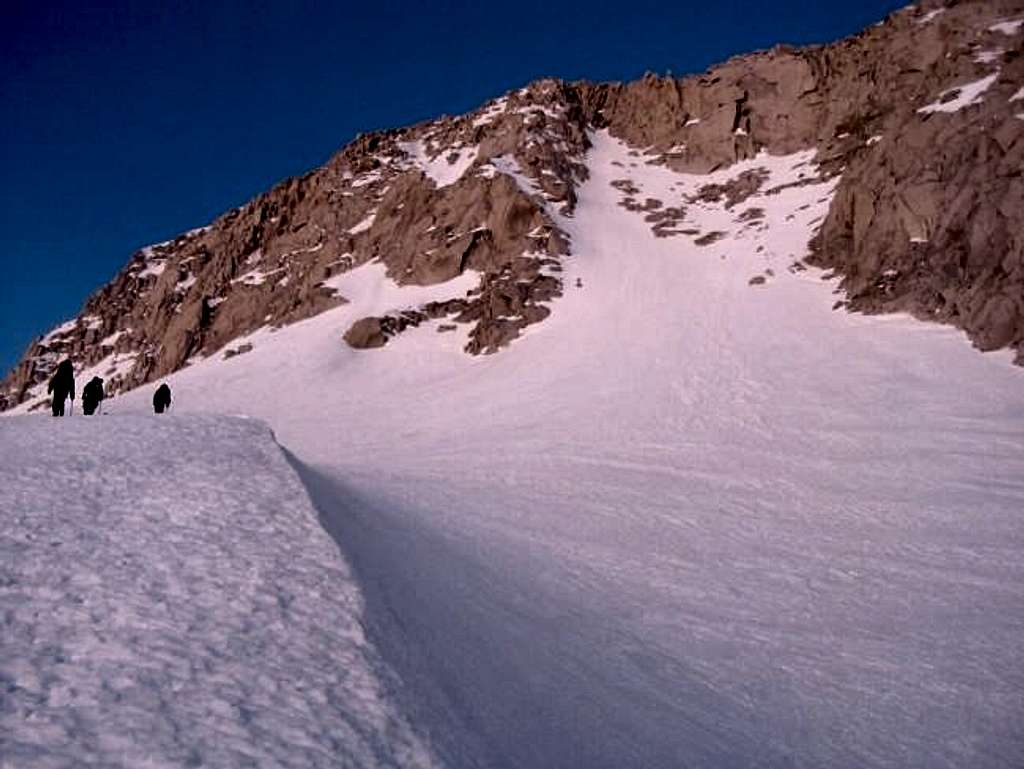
[(684, 522), (168, 599)]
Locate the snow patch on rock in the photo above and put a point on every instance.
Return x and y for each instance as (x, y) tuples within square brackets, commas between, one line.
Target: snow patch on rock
[(443, 167), (966, 95), (363, 225), (370, 291), (491, 112), (63, 329), (1009, 27), (111, 340)]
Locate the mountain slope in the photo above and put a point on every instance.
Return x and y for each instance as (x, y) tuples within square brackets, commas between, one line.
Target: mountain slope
[(696, 514), (919, 115), (687, 520), (168, 599)]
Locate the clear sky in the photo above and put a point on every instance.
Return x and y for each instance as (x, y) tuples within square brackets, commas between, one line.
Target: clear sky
[(129, 123)]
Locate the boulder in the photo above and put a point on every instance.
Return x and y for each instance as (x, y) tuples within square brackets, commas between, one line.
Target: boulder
[(366, 333)]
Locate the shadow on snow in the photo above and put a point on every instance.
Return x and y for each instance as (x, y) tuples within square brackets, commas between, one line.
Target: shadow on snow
[(501, 673)]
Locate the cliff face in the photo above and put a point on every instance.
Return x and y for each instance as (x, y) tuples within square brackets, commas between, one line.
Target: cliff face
[(922, 116)]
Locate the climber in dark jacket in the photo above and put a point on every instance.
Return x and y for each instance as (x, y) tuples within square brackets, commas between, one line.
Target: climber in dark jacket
[(92, 394), (162, 398), (62, 385)]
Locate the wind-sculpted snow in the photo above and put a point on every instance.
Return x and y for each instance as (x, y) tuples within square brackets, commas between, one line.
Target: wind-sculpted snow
[(168, 599), (687, 521)]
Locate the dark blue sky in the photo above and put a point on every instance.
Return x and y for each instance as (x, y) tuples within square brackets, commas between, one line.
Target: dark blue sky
[(127, 124)]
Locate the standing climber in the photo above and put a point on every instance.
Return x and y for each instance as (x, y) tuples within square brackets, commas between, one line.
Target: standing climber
[(162, 398), (92, 394), (62, 385)]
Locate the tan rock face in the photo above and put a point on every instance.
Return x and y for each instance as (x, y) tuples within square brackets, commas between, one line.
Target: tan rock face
[(366, 334), (477, 192), (927, 217)]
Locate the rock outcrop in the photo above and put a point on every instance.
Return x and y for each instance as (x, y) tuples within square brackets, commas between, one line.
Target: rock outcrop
[(921, 115)]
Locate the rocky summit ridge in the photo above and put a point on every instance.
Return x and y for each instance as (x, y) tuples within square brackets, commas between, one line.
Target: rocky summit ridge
[(920, 116)]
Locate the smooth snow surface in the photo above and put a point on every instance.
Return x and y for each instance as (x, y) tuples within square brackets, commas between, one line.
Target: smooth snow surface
[(686, 521), (370, 292), (168, 598)]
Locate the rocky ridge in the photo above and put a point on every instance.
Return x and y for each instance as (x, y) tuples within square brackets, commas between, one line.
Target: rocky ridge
[(921, 116)]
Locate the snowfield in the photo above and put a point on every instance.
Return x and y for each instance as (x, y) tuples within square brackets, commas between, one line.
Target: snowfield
[(687, 521), (168, 599)]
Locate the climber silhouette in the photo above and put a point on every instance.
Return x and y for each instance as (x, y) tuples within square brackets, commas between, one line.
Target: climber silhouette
[(92, 394), (162, 398), (62, 385)]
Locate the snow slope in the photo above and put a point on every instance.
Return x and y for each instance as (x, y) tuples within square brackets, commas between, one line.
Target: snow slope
[(168, 599), (686, 521)]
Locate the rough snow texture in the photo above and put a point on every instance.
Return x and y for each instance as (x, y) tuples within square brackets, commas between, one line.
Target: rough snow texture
[(168, 598), (720, 526)]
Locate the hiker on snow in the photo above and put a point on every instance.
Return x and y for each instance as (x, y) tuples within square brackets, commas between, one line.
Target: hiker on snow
[(62, 385), (92, 394), (162, 398)]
